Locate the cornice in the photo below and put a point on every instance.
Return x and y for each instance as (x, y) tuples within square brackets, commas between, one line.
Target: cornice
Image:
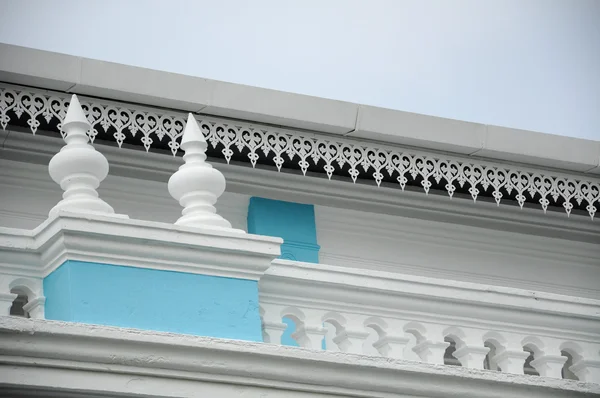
[(99, 354), (145, 244)]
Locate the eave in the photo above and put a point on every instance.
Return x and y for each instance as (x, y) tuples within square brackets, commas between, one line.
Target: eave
[(54, 71)]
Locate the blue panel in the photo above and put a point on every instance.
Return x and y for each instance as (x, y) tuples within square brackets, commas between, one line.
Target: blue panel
[(294, 222), (154, 300), (58, 294)]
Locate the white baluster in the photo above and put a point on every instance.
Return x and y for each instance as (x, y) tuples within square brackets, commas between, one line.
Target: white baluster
[(310, 331), (351, 340), (35, 307), (273, 327), (6, 301), (197, 185), (391, 346), (432, 351), (431, 345), (78, 168), (511, 360), (587, 370), (549, 365), (471, 356), (470, 350)]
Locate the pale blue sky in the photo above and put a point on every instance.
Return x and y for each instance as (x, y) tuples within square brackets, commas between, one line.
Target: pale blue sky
[(531, 64)]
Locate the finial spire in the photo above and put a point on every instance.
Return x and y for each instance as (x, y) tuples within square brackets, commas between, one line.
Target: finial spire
[(197, 185), (78, 168), (75, 114)]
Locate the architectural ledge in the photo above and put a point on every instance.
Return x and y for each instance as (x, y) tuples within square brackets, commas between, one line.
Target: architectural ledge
[(93, 359), (145, 244), (430, 309), (448, 291), (372, 288)]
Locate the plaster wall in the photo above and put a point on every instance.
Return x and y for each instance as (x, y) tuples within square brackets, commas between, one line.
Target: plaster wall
[(391, 243), (349, 238), (150, 299)]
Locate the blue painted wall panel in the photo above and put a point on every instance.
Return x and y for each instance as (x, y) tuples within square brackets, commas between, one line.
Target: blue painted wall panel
[(154, 300), (294, 222), (58, 294)]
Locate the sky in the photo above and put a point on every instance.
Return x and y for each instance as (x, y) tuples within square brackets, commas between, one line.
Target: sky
[(528, 64)]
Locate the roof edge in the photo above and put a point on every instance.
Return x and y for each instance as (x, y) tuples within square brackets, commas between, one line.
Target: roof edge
[(55, 71)]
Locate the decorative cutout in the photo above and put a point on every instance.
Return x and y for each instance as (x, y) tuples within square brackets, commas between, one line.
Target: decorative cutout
[(268, 144)]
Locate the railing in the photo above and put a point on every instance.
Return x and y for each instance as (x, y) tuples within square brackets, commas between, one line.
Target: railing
[(430, 320)]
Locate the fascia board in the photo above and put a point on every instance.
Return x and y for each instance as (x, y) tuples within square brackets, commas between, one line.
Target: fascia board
[(545, 150), (54, 71), (38, 68), (416, 130), (280, 108)]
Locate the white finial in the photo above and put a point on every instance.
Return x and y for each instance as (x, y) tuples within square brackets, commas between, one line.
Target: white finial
[(78, 168), (197, 185)]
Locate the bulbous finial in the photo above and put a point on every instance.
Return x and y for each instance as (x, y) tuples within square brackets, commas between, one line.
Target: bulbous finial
[(197, 185), (78, 168)]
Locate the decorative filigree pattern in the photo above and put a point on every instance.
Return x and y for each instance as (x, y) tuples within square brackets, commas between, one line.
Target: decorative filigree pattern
[(291, 148)]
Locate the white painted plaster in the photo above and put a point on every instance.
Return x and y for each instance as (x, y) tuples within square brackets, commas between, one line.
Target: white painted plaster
[(432, 310), (361, 239), (70, 357), (146, 244)]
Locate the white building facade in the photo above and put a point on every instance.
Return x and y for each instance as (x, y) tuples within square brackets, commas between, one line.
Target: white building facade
[(171, 236)]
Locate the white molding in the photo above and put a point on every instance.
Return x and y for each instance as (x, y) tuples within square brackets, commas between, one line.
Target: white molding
[(545, 187), (451, 235), (105, 239), (447, 303), (91, 359), (449, 291), (463, 252), (158, 167)]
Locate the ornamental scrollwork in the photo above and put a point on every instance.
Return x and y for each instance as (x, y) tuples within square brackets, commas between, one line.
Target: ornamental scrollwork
[(285, 147)]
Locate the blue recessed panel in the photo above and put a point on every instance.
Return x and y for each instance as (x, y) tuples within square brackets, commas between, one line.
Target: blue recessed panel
[(294, 222), (154, 300)]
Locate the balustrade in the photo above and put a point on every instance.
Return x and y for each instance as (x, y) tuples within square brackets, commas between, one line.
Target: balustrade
[(432, 321)]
